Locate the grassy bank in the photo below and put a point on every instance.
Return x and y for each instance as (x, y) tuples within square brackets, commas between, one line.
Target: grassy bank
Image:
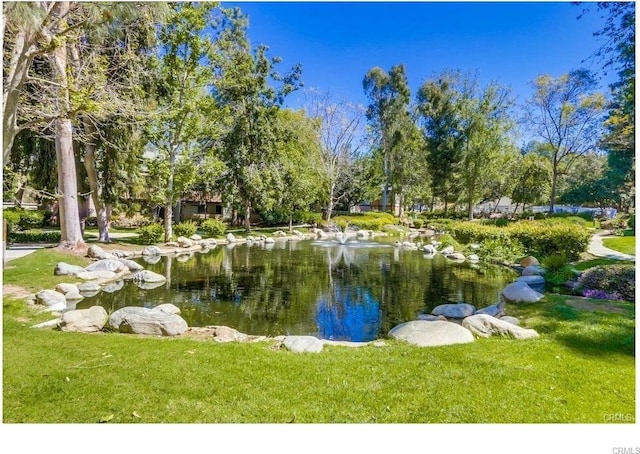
[(581, 369), (624, 244)]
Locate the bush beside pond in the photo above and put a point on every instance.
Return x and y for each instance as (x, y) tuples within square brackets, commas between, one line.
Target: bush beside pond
[(539, 239)]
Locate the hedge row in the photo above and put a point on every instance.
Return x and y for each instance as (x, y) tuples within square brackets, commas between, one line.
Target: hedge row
[(540, 239), (33, 236)]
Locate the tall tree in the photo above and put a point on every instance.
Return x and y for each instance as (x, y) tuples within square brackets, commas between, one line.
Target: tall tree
[(186, 111), (487, 124), (566, 113), (340, 139), (390, 122), (253, 91), (439, 102)]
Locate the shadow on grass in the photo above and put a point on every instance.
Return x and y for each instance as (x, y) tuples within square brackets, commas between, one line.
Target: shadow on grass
[(589, 332)]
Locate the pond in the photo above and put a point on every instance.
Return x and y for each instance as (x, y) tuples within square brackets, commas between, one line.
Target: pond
[(355, 291)]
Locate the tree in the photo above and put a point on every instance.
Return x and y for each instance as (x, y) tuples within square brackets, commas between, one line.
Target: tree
[(531, 179), (390, 122), (187, 113), (246, 88), (439, 101), (566, 114), (487, 124), (340, 142)]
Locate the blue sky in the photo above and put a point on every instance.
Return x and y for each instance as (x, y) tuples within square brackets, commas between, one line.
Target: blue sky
[(507, 42)]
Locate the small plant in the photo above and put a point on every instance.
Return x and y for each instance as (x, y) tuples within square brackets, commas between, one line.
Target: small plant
[(185, 228), (213, 228), (555, 262), (418, 223), (150, 234), (560, 276), (448, 240)]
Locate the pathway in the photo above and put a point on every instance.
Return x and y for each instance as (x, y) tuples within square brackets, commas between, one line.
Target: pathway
[(596, 247)]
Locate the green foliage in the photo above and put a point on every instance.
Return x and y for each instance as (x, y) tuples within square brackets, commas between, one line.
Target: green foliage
[(418, 223), (631, 222), (22, 219), (185, 228), (537, 238), (554, 262), (560, 276), (501, 250), (447, 240), (34, 236), (150, 234), (618, 280), (367, 221), (617, 223), (213, 228)]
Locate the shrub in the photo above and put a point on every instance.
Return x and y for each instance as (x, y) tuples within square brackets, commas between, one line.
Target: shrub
[(150, 234), (504, 250), (543, 239), (185, 228), (620, 279), (418, 223), (33, 236), (631, 223), (559, 276), (448, 240), (213, 228), (554, 262), (21, 219), (617, 223)]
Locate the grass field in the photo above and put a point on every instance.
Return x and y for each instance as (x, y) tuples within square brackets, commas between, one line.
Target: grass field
[(624, 244)]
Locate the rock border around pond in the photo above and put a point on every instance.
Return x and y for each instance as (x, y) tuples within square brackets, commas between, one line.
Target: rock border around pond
[(447, 324)]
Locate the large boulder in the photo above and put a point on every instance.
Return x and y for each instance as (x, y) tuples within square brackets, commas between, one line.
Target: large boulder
[(460, 310), (113, 287), (106, 265), (50, 298), (495, 310), (429, 249), (88, 287), (64, 269), (509, 319), (184, 242), (84, 320), (66, 288), (483, 325), (431, 318), (149, 277), (533, 270), (141, 320), (536, 282), (96, 252), (133, 266), (447, 250), (167, 308), (520, 292), (303, 344), (231, 238), (151, 250), (226, 334), (430, 334), (93, 275), (529, 261)]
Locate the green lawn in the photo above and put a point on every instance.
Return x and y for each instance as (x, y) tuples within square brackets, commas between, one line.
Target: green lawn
[(581, 369), (624, 244)]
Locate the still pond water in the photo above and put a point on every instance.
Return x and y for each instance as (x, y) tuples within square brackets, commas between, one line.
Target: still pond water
[(356, 291)]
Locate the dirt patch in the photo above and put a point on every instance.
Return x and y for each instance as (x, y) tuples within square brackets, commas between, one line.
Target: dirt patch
[(15, 291), (591, 306)]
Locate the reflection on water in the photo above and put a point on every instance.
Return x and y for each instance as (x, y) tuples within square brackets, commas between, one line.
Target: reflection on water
[(356, 291)]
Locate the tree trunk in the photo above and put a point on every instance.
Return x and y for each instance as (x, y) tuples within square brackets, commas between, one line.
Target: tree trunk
[(71, 234), (247, 216), (470, 209), (291, 223), (168, 221), (554, 188), (21, 59), (102, 214)]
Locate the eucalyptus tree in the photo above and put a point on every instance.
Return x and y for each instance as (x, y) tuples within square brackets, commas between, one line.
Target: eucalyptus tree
[(340, 142), (52, 83), (487, 126), (566, 113), (390, 122), (252, 91), (186, 113), (438, 103)]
